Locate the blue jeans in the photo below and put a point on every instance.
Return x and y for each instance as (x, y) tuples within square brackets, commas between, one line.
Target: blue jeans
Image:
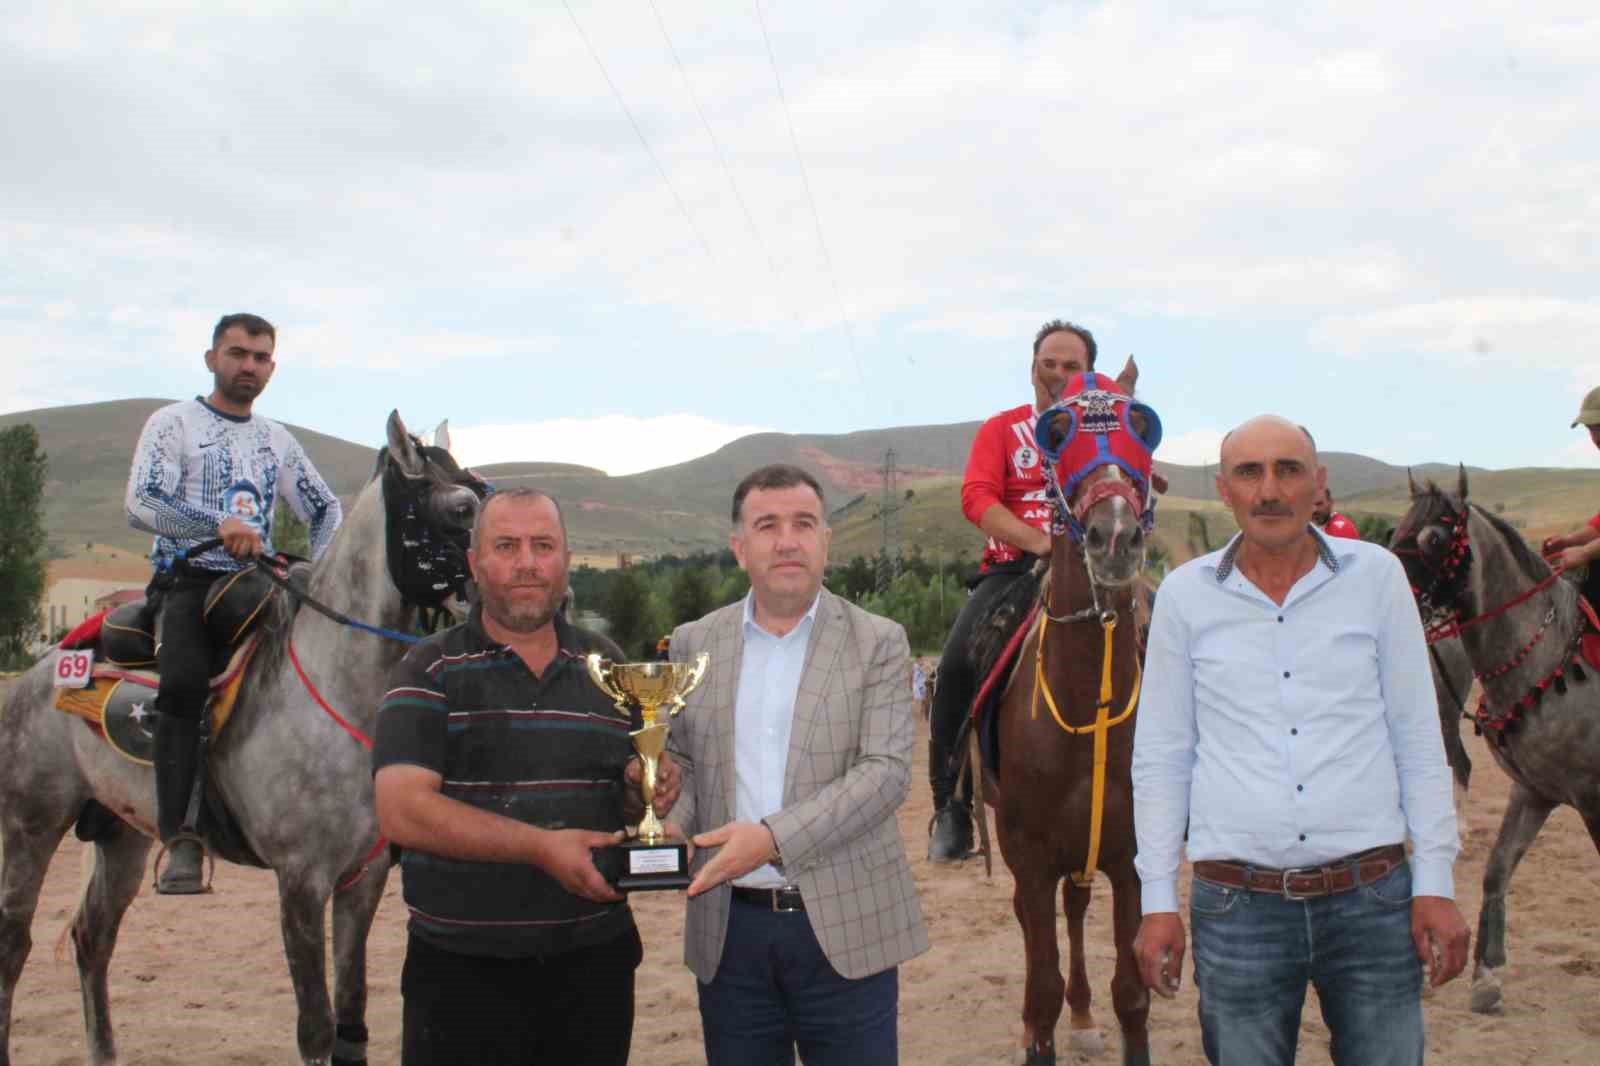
[(1254, 952), (775, 989)]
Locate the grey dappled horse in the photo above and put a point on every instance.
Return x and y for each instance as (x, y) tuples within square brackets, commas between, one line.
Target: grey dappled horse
[(297, 783), (1521, 629)]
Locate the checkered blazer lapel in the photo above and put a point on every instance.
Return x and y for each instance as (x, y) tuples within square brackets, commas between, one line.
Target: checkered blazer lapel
[(827, 639)]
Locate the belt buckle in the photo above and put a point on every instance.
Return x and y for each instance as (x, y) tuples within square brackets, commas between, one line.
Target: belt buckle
[(777, 894), (1304, 871)]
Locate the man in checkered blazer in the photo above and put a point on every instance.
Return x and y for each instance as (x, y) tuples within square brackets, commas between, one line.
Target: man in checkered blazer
[(794, 753)]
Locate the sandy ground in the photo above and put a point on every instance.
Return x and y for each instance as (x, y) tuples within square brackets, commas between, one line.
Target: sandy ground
[(203, 980)]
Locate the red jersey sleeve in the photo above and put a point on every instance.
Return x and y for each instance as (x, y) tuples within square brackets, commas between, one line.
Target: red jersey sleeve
[(984, 484), (1594, 523)]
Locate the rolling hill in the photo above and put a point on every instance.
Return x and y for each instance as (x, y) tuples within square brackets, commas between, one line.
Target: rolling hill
[(683, 508)]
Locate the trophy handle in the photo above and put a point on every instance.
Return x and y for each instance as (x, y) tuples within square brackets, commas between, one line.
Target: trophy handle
[(600, 673), (697, 674)]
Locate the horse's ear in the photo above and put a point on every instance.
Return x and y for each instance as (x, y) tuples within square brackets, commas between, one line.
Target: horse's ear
[(402, 449), (441, 436), (1411, 484), (1129, 377), (1461, 483)]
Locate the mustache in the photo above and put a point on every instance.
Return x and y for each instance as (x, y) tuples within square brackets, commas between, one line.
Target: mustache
[(1275, 510)]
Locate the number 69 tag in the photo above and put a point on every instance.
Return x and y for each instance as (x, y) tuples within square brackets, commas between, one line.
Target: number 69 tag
[(74, 668)]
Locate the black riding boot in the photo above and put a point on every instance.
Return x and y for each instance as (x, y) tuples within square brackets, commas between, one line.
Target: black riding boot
[(950, 832), (177, 759)]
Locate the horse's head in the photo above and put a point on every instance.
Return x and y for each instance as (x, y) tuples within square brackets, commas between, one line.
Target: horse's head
[(1098, 443), (430, 504), (1434, 547)]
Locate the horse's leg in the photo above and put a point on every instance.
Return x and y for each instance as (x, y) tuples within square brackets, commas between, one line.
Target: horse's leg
[(1035, 903), (353, 909), (118, 869), (302, 901), (1525, 814), (1082, 1037), (24, 857), (1128, 994)]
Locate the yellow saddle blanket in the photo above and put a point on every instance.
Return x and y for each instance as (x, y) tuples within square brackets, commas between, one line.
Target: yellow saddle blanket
[(119, 703)]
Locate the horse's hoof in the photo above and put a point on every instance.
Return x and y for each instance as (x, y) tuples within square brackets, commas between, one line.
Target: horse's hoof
[(1088, 1042), (1034, 1057), (1487, 997)]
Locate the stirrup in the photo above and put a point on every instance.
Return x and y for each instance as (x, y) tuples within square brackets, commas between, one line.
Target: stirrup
[(208, 864)]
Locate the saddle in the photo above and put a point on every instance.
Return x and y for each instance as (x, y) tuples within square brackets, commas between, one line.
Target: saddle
[(996, 642), (119, 703)]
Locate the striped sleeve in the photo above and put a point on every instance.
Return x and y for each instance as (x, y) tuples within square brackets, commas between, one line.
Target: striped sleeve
[(414, 717), (154, 499)]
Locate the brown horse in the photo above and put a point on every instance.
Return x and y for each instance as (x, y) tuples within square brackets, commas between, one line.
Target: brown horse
[(1064, 798)]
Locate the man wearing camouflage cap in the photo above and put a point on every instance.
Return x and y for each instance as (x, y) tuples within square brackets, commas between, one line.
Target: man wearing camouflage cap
[(1581, 547)]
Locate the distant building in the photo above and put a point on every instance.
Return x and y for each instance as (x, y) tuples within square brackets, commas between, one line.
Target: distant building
[(70, 600)]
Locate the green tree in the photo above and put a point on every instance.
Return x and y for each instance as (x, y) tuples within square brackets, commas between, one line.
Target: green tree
[(635, 617), (734, 586), (1375, 528), (693, 595), (289, 534), (854, 580), (22, 540)]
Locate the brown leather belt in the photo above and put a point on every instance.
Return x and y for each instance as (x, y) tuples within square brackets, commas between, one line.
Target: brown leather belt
[(782, 900), (1305, 882)]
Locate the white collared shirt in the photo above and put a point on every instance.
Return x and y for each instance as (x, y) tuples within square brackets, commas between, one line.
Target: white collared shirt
[(1289, 736), (769, 683)]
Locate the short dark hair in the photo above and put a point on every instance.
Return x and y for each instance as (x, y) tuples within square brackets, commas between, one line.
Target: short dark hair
[(776, 476), (254, 325), (522, 492), (1056, 325)]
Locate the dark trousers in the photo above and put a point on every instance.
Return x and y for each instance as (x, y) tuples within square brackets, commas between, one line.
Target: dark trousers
[(958, 680), (775, 990), (184, 656), (184, 659), (574, 1009)]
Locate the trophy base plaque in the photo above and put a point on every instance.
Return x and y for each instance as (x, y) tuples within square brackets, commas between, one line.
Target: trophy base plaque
[(635, 866)]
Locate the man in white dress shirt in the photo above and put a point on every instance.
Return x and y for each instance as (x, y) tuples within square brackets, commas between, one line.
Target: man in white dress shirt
[(1288, 721)]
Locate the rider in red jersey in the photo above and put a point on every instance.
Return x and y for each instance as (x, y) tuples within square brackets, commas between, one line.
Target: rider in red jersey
[(1330, 521), (1003, 495), (1576, 550)]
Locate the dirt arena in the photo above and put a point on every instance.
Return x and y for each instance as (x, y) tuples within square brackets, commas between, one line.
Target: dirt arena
[(203, 980)]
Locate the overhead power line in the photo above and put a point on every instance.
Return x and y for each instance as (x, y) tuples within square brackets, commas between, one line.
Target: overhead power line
[(716, 145), (682, 207), (805, 179)]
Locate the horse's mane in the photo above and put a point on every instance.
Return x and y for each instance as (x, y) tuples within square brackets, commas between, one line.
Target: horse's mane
[(1530, 562)]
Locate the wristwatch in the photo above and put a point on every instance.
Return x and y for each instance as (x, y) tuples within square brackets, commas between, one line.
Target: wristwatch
[(777, 852)]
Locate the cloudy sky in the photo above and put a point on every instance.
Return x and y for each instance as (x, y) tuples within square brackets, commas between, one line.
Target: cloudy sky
[(625, 232)]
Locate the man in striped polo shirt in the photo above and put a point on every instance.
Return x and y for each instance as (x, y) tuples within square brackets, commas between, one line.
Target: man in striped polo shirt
[(498, 768)]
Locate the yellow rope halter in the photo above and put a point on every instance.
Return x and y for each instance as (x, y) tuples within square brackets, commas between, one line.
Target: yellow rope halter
[(1101, 729)]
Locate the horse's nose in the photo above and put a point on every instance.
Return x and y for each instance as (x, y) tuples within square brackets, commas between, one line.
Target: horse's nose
[(1125, 538)]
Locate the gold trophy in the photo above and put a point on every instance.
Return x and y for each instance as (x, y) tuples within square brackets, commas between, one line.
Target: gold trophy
[(650, 861)]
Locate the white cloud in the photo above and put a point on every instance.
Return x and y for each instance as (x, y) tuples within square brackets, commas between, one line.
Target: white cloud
[(1195, 447), (405, 194), (1490, 330), (617, 444)]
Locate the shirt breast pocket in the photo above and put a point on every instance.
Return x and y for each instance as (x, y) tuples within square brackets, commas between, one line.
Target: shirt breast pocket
[(1343, 662)]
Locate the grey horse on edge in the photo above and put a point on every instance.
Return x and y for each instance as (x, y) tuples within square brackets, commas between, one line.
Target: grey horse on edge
[(297, 783)]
